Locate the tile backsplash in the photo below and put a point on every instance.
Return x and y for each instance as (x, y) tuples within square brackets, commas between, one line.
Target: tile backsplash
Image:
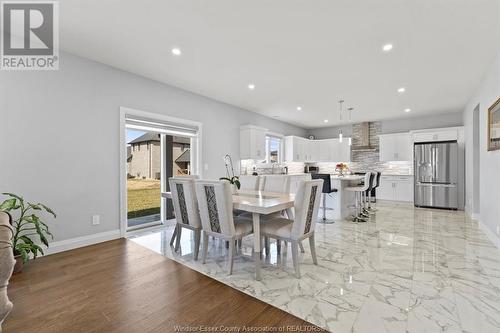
[(388, 168)]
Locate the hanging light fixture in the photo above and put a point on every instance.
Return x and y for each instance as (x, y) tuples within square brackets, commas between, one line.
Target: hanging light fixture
[(350, 114), (340, 117)]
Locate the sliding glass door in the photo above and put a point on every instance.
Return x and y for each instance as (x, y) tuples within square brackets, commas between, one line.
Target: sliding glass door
[(156, 151)]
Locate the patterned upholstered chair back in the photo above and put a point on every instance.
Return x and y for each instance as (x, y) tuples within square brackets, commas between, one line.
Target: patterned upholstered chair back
[(184, 200), (276, 183), (216, 206), (306, 207), (249, 182)]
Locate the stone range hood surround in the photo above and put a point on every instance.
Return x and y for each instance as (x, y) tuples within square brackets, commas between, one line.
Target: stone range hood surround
[(365, 136), (365, 143)]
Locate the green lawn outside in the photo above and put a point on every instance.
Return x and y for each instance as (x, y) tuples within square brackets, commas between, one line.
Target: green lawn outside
[(143, 197)]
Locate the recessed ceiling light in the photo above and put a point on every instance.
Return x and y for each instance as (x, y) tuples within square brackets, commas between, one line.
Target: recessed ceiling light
[(401, 90), (299, 108), (387, 47), (325, 121), (176, 51), (407, 110), (251, 86)]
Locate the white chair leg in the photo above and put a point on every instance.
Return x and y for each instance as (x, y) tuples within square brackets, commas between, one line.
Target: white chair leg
[(301, 247), (295, 258), (172, 240), (205, 248), (178, 238), (312, 245), (197, 234), (231, 257)]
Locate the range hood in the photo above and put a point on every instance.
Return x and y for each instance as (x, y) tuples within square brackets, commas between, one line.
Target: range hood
[(361, 138)]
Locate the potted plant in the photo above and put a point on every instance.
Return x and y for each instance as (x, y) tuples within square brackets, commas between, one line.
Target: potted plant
[(231, 178), (26, 224)]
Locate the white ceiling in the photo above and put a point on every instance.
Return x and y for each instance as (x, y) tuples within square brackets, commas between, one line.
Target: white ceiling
[(307, 53)]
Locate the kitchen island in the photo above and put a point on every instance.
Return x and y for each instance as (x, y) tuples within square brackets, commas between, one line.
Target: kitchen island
[(342, 201)]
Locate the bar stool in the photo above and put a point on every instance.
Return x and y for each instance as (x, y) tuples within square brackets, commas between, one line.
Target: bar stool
[(368, 196), (377, 184), (358, 194), (327, 189)]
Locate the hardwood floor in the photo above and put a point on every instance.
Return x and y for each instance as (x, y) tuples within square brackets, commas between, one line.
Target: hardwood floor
[(119, 286)]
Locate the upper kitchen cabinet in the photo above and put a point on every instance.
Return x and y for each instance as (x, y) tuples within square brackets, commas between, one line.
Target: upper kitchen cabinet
[(252, 142), (339, 151), (295, 149), (395, 147), (303, 150), (435, 135)]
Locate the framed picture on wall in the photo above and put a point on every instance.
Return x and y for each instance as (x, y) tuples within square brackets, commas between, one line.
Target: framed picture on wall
[(494, 126)]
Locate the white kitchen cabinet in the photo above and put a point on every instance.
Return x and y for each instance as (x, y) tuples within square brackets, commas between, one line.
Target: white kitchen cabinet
[(295, 149), (313, 150), (325, 153), (252, 142), (344, 151), (395, 147), (298, 149), (395, 188), (433, 135)]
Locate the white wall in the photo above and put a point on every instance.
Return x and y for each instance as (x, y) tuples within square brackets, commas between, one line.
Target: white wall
[(59, 139), (398, 125), (489, 179)]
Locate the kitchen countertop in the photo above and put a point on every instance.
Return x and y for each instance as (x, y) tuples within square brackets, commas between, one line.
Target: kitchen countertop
[(348, 177)]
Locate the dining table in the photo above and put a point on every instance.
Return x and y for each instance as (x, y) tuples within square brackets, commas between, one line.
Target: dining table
[(258, 203)]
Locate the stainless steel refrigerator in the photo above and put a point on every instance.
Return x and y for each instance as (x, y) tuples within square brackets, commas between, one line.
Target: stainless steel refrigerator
[(436, 174)]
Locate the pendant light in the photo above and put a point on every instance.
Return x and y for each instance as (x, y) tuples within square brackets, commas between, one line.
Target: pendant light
[(340, 117), (350, 114)]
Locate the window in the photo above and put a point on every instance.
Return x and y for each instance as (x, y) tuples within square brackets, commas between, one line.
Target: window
[(273, 149)]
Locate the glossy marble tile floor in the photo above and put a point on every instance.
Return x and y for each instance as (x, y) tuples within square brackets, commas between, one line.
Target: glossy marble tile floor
[(406, 270)]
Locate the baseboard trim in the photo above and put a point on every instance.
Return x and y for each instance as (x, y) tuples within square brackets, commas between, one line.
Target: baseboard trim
[(490, 234), (74, 243)]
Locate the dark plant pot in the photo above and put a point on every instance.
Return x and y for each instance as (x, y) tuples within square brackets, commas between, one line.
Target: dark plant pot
[(18, 267)]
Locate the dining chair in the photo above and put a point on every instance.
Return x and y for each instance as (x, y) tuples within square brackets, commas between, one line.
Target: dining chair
[(249, 182), (275, 183), (306, 206), (186, 211), (216, 211), (193, 177)]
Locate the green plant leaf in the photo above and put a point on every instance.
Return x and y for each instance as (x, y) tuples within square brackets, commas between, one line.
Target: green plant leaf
[(26, 239), (237, 183), (225, 178), (35, 206), (8, 205), (48, 210), (22, 249), (13, 196)]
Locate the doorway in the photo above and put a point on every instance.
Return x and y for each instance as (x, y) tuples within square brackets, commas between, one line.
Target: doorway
[(153, 149), (476, 151)]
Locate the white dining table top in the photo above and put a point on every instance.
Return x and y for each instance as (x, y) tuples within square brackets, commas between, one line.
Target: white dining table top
[(262, 202), (257, 201)]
